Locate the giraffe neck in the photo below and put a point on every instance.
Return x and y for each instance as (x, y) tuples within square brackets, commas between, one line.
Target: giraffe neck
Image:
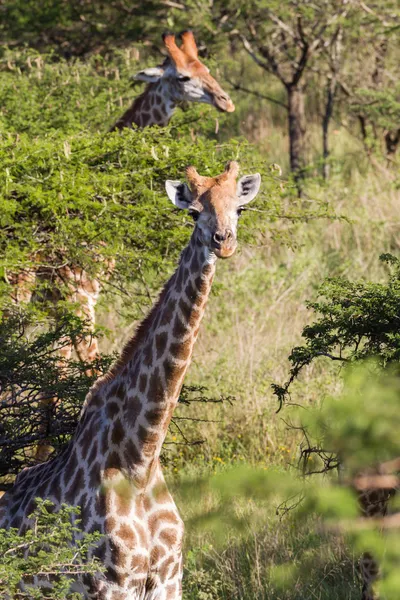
[(154, 107), (137, 398)]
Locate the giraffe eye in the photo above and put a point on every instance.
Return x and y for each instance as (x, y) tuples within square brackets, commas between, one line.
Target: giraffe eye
[(183, 78), (194, 214), (239, 211)]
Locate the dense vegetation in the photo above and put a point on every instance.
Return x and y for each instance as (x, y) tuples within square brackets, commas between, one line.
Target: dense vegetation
[(51, 553), (317, 114)]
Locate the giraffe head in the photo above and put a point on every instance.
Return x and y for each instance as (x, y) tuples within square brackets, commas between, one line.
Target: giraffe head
[(185, 77), (215, 203)]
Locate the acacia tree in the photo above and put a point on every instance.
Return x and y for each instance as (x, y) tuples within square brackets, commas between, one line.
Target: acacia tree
[(54, 548), (31, 372), (285, 39), (354, 322)]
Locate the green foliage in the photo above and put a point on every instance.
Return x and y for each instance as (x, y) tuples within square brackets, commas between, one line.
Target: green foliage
[(32, 373), (41, 93), (381, 106), (358, 320), (77, 27), (71, 196), (362, 425), (201, 582), (54, 550)]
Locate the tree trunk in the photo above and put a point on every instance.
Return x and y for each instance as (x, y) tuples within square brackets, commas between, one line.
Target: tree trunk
[(297, 131), (330, 96), (392, 140)]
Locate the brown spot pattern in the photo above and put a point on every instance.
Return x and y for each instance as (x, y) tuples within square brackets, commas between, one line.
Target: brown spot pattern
[(117, 433), (113, 461), (190, 291), (127, 535), (132, 454), (94, 476), (179, 328), (112, 409), (157, 115), (161, 343), (169, 537), (143, 383), (156, 390), (181, 350), (139, 563), (77, 485), (186, 309)]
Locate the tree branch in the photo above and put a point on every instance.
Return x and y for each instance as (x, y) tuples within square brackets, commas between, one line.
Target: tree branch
[(282, 25), (240, 88), (251, 52)]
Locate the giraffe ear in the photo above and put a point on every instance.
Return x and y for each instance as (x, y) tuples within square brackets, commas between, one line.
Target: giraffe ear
[(179, 193), (150, 75), (248, 188)]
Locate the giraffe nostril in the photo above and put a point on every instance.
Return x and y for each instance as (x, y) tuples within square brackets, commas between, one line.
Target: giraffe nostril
[(218, 237)]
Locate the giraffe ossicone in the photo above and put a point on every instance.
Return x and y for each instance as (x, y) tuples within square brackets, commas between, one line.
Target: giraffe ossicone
[(111, 467), (181, 78)]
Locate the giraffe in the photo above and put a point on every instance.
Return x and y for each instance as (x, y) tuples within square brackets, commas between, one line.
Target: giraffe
[(79, 288), (83, 291), (375, 487), (111, 467), (182, 77)]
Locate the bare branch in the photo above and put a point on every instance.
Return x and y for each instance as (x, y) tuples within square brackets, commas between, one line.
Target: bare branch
[(251, 52), (282, 25), (240, 88)]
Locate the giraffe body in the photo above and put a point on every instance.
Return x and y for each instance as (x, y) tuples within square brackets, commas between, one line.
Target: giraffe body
[(111, 467), (77, 287), (374, 504)]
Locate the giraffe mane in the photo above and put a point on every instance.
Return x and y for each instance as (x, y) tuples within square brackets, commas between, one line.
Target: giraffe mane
[(134, 342)]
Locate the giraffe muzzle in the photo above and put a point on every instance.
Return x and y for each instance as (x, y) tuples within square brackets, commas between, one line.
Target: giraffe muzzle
[(223, 103), (223, 244)]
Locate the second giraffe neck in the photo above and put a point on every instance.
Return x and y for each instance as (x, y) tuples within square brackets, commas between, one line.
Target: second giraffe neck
[(154, 107)]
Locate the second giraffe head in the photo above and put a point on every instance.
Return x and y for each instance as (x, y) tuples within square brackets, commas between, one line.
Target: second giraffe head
[(215, 204), (186, 78)]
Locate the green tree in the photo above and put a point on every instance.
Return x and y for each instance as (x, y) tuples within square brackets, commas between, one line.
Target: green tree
[(368, 81), (361, 425), (355, 321), (54, 550), (284, 39), (31, 372)]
